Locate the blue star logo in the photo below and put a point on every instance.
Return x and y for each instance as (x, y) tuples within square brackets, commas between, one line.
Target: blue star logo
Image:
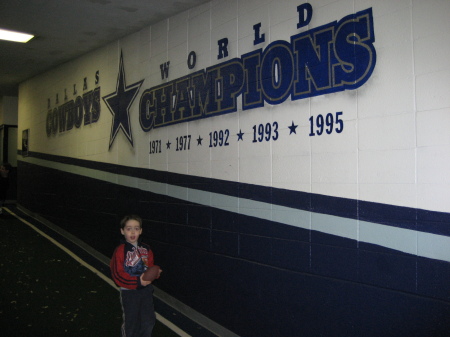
[(240, 135), (292, 128), (119, 103)]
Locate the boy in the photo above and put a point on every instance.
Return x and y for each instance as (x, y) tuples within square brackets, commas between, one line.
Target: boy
[(130, 259)]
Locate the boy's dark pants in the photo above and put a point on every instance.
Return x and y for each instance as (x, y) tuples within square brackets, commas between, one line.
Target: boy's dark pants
[(138, 312)]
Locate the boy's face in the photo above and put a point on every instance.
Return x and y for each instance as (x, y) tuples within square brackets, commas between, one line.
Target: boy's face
[(131, 231)]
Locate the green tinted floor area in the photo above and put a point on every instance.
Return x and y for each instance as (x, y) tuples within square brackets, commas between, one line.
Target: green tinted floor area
[(45, 292)]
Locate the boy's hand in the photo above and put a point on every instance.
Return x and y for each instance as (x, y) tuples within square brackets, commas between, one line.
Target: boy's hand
[(143, 282)]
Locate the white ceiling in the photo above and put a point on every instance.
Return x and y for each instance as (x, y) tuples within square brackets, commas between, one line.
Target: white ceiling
[(66, 29)]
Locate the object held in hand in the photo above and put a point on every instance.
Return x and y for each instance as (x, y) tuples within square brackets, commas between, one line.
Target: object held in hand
[(151, 273)]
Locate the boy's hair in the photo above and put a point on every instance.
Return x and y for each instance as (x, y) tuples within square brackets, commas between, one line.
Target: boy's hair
[(130, 217)]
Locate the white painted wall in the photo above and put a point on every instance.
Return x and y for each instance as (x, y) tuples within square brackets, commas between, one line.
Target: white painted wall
[(395, 148)]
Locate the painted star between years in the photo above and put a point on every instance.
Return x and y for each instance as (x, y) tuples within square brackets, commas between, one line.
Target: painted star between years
[(119, 103)]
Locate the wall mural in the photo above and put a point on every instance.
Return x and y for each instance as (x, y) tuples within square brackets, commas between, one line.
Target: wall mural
[(331, 58)]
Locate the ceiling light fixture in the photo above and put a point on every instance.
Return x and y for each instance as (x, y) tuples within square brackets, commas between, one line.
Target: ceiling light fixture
[(10, 35)]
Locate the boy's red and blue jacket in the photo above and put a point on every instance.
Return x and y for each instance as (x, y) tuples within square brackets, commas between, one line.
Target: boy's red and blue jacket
[(129, 262)]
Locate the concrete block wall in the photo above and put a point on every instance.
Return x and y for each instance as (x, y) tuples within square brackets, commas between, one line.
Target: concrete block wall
[(324, 215)]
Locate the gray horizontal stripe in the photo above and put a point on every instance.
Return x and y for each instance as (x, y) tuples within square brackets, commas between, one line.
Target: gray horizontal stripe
[(405, 240)]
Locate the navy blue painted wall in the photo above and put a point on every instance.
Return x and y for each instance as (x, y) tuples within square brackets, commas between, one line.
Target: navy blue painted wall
[(257, 277)]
